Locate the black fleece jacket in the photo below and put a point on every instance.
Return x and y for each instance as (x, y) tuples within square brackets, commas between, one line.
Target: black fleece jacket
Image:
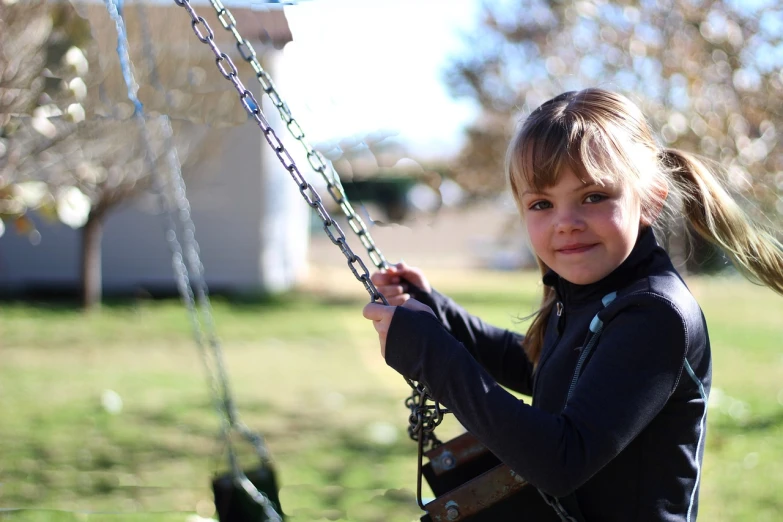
[(629, 442)]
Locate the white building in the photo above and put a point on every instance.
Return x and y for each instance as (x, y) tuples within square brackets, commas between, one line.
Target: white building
[(251, 221)]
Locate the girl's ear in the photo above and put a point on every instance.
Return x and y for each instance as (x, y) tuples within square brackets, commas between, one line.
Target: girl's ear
[(650, 212)]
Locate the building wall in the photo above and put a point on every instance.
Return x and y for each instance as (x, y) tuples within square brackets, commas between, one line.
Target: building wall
[(252, 227), (285, 228)]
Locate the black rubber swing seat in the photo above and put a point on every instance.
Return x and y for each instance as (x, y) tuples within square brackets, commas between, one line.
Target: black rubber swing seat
[(234, 504)]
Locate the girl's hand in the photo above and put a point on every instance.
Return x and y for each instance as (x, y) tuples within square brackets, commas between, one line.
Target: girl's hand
[(392, 282), (381, 317)]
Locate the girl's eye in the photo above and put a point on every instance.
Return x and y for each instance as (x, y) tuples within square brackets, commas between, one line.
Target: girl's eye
[(540, 205), (595, 198)]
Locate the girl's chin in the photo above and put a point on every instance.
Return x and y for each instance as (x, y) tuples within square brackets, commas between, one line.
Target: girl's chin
[(582, 277)]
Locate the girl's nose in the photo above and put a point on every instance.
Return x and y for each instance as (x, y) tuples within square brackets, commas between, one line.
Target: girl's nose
[(569, 220)]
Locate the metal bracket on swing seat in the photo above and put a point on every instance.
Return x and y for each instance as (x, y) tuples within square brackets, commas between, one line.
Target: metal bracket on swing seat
[(455, 462), (470, 484), (234, 504)]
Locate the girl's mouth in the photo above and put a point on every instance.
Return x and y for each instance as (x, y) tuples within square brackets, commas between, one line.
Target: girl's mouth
[(575, 248)]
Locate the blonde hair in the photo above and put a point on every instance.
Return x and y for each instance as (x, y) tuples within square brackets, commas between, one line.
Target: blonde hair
[(601, 135)]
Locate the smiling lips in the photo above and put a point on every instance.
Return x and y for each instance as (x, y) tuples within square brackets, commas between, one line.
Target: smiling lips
[(576, 248)]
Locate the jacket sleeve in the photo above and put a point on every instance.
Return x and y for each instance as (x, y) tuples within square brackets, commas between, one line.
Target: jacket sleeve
[(633, 371), (498, 350)]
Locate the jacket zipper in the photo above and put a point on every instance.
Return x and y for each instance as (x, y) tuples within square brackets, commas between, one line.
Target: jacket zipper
[(559, 309)]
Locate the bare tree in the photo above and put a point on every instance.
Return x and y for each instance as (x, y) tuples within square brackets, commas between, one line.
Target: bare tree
[(70, 149), (41, 77)]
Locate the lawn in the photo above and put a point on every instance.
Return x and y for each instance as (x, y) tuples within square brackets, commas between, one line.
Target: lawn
[(306, 371)]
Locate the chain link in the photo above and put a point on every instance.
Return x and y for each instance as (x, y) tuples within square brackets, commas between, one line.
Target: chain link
[(177, 213), (424, 417), (315, 159)]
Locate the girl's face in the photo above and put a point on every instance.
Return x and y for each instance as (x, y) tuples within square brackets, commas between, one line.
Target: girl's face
[(581, 231)]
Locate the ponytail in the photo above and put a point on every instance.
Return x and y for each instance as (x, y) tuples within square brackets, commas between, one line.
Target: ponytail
[(534, 338), (716, 217)]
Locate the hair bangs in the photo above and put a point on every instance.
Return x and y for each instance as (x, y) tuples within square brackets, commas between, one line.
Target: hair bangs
[(540, 155), (537, 158), (596, 160)]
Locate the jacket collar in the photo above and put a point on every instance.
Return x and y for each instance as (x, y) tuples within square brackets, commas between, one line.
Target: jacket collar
[(630, 269)]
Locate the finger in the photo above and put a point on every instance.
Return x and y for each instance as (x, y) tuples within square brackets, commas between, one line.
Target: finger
[(381, 277), (398, 300), (390, 290), (393, 274), (376, 312), (404, 269)]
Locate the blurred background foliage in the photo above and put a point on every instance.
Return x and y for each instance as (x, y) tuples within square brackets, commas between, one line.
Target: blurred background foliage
[(707, 73)]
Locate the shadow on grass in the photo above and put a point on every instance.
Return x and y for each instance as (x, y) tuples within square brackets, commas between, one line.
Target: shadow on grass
[(350, 481), (344, 473), (68, 301)]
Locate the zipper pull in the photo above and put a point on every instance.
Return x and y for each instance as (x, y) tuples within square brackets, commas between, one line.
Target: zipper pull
[(560, 317)]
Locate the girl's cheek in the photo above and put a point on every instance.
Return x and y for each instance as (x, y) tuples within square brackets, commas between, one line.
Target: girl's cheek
[(539, 222), (530, 224), (536, 231)]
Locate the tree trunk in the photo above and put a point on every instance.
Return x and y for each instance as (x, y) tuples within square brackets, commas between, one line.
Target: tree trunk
[(92, 287)]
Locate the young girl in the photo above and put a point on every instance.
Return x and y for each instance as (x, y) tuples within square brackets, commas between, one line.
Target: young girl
[(617, 359)]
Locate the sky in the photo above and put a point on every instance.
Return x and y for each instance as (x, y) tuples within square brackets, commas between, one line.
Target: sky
[(357, 67)]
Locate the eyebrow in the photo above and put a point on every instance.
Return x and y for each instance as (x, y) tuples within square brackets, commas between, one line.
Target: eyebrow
[(577, 189)]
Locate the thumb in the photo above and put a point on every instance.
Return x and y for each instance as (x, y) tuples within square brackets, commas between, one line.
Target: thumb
[(402, 266)]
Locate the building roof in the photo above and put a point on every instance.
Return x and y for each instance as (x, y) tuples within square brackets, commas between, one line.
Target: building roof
[(185, 66), (268, 26)]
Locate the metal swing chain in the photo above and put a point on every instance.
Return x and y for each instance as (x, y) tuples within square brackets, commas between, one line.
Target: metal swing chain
[(423, 420), (192, 250), (310, 195), (221, 396), (315, 159), (423, 417), (178, 215)]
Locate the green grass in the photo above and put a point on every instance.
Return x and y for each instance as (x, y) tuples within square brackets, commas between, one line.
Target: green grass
[(306, 370)]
